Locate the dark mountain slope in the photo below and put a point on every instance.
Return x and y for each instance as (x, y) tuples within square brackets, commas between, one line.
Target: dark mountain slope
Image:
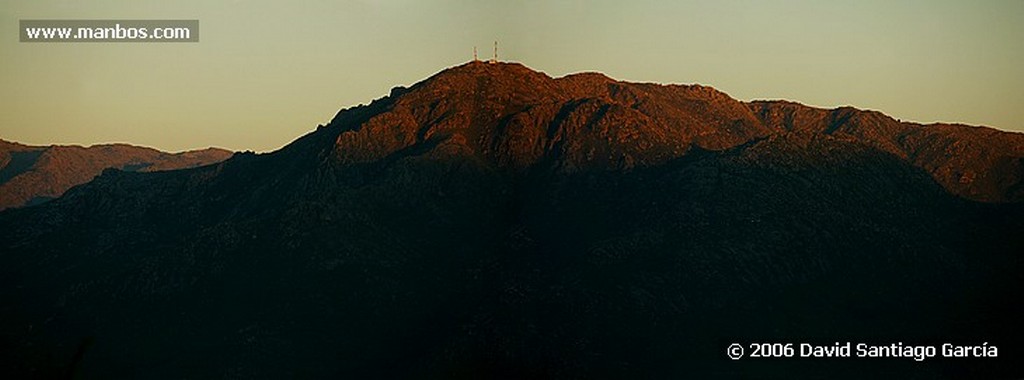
[(34, 174), (487, 223)]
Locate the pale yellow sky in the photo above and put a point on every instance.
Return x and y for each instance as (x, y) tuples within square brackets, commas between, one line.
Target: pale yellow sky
[(266, 72)]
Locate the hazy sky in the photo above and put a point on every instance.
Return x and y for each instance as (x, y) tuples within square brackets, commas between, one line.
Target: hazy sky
[(266, 72)]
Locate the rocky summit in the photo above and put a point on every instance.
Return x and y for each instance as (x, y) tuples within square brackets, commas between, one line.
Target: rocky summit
[(494, 222)]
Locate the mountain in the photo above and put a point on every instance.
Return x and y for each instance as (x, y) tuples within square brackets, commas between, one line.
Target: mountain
[(494, 222), (34, 174)]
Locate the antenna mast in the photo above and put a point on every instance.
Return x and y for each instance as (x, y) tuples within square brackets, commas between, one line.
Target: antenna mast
[(475, 59), (495, 59)]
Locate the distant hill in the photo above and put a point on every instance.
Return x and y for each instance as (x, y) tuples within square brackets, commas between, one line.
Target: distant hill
[(34, 174), (494, 222)]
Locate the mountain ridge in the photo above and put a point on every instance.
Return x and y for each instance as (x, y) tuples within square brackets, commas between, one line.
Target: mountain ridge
[(669, 119)]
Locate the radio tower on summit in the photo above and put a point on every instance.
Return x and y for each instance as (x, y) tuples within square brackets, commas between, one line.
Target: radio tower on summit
[(495, 58)]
